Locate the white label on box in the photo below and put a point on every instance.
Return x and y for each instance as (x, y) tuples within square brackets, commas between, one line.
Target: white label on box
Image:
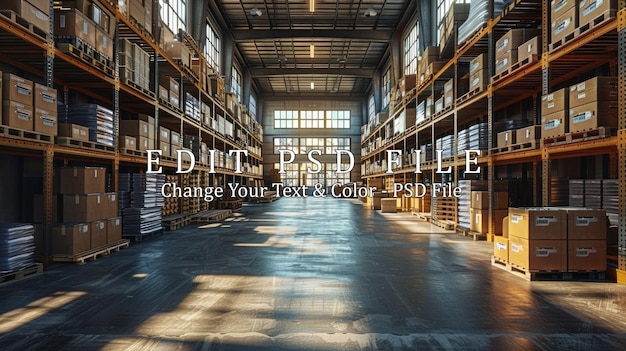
[(559, 5), (544, 221), (550, 105), (527, 133), (85, 228), (581, 117), (552, 124), (63, 230), (563, 25), (544, 251), (506, 137), (584, 221), (85, 28), (502, 63), (530, 47), (98, 198), (548, 97), (40, 15), (517, 248), (113, 197), (62, 21), (477, 218), (503, 44), (582, 96), (592, 7), (117, 221), (516, 218), (101, 225), (581, 86), (585, 251), (76, 199), (474, 67), (501, 246), (48, 122), (475, 82)]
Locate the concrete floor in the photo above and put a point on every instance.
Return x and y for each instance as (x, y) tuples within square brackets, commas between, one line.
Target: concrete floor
[(306, 274)]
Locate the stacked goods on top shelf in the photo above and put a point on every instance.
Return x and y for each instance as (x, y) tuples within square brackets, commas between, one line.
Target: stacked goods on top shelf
[(35, 12), (17, 246), (507, 48), (477, 18), (456, 16), (98, 119), (429, 63), (143, 217), (134, 64)]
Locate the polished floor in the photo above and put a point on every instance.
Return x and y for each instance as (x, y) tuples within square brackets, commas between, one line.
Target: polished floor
[(306, 274)]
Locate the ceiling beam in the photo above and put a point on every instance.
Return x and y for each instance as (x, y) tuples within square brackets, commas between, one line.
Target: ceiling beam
[(351, 72), (278, 34)]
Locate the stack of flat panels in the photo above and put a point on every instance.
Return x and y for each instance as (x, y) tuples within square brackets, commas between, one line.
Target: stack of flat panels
[(593, 193), (446, 145), (577, 193), (123, 196), (478, 16), (146, 191), (462, 141), (143, 204), (426, 152), (609, 195), (98, 119), (141, 221), (194, 143), (464, 202), (478, 136), (192, 107), (17, 246), (559, 195)]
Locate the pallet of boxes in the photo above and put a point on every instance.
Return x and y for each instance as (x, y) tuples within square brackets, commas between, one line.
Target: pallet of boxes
[(479, 213), (88, 222), (553, 243)]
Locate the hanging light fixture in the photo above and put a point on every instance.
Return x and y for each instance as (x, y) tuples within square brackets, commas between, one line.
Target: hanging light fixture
[(312, 51), (312, 5)]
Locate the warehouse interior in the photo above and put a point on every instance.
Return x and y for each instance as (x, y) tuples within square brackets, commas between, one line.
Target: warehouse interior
[(312, 174)]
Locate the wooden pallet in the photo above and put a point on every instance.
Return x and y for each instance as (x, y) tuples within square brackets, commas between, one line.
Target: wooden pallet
[(514, 67), (233, 205), (29, 135), (27, 272), (578, 136), (561, 43), (596, 22), (530, 145), (496, 261), (471, 39), (88, 56), (171, 106), (93, 253), (555, 140), (443, 112), (138, 87), (21, 22), (469, 95), (445, 224), (547, 275), (471, 234), (175, 222), (140, 28), (133, 152), (211, 216), (425, 216), (65, 141)]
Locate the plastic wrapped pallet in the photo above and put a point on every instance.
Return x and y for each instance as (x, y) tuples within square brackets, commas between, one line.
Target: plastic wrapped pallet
[(17, 246), (478, 16), (98, 119)]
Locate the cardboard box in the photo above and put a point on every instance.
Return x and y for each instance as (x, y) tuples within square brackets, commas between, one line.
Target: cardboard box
[(136, 11), (498, 217), (479, 63), (134, 128), (165, 148), (505, 61), (41, 5), (564, 25), (178, 51), (81, 180), (164, 94), (505, 225), (18, 115), (176, 141), (114, 229), (594, 89), (586, 255), (506, 138), (151, 123), (538, 223), (479, 220), (73, 131), (33, 15), (71, 238), (83, 207), (110, 205), (104, 43), (593, 115), (143, 144), (480, 200), (510, 42), (17, 89), (98, 234), (128, 142), (538, 255), (479, 80), (591, 9), (554, 124), (46, 122), (73, 23), (554, 102), (529, 48), (407, 83), (388, 205), (164, 135), (559, 7), (528, 134), (45, 98), (103, 19), (448, 93), (501, 248), (586, 224)]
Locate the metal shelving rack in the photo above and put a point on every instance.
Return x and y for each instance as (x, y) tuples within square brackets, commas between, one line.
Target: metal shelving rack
[(38, 56)]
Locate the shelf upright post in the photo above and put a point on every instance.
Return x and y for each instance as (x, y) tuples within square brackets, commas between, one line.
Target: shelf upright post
[(491, 63), (49, 59), (621, 153), (155, 77), (116, 109), (545, 89), (48, 188)]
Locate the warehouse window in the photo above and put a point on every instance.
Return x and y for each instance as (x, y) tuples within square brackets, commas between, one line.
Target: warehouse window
[(386, 88), (411, 45), (212, 47), (173, 14), (442, 10), (333, 177), (371, 109), (311, 119), (311, 179), (235, 83), (285, 144), (308, 144), (334, 144), (285, 119), (291, 175), (338, 119), (252, 106)]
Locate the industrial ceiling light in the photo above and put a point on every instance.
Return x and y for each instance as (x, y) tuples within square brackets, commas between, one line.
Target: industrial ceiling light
[(312, 5), (312, 85), (255, 12), (370, 12), (312, 51)]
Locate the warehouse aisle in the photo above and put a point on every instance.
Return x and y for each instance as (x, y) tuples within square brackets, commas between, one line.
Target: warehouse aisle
[(306, 274)]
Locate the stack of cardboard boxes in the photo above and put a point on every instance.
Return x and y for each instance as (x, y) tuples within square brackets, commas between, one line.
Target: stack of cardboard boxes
[(35, 12), (479, 211), (429, 63), (169, 90), (553, 113), (28, 106), (507, 48), (141, 12), (553, 239), (593, 104), (81, 22), (141, 129), (134, 64), (564, 15), (89, 216), (479, 73)]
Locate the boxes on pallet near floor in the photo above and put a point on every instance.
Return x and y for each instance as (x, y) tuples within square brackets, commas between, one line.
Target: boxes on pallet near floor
[(17, 246), (479, 211)]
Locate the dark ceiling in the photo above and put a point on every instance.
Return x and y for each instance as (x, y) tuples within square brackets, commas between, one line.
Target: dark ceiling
[(275, 38)]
